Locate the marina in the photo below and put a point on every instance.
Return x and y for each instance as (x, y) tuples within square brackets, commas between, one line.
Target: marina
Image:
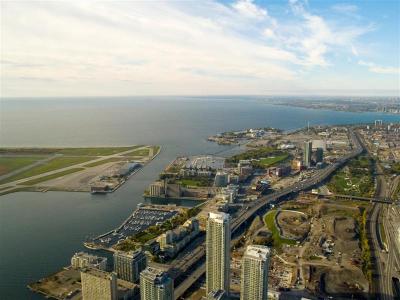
[(141, 219)]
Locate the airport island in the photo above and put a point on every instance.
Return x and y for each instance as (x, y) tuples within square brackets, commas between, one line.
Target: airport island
[(95, 169), (298, 210)]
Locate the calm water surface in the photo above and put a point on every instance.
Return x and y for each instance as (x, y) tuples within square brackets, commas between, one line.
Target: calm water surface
[(39, 232)]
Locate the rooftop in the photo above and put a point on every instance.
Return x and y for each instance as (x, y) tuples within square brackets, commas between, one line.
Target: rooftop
[(130, 254), (219, 216), (156, 275), (258, 251), (97, 273)]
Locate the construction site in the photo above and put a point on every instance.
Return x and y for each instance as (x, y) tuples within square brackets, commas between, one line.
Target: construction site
[(317, 247)]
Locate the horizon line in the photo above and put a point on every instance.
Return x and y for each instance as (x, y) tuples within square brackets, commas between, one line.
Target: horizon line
[(209, 95)]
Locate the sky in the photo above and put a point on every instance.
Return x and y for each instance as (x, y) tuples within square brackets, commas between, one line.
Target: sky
[(207, 47)]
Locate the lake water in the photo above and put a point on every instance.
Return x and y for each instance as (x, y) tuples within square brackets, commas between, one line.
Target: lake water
[(39, 232)]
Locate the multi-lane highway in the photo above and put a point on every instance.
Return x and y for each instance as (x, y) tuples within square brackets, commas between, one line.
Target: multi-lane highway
[(186, 265), (385, 244), (391, 225)]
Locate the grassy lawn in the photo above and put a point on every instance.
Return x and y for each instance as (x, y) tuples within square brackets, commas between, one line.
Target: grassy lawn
[(144, 236), (397, 192), (28, 151), (49, 177), (140, 152), (270, 222), (54, 164), (98, 163), (86, 151), (68, 157), (354, 179), (365, 249), (342, 212), (256, 153), (395, 168), (101, 151), (17, 189), (126, 245), (269, 161), (156, 149), (9, 164), (194, 182)]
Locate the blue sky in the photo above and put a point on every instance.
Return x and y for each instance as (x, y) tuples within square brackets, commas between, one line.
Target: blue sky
[(121, 48)]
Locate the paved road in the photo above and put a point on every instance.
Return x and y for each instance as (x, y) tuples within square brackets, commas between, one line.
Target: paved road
[(381, 288), (391, 225)]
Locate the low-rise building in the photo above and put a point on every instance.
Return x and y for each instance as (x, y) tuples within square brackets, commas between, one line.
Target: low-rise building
[(229, 193), (157, 189), (297, 164), (172, 241), (245, 169), (128, 169), (280, 171), (233, 179), (84, 260)]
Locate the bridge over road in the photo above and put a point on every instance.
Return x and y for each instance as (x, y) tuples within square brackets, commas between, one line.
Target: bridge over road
[(357, 198)]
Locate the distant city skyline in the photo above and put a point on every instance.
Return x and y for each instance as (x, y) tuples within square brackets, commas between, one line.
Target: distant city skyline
[(239, 47)]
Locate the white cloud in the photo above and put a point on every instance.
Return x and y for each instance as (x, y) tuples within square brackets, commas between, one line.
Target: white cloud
[(316, 37), (372, 67), (354, 50), (136, 47), (127, 48), (248, 9), (269, 33), (345, 8)]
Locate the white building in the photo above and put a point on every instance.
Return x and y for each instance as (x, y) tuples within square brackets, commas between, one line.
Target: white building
[(156, 285), (157, 189), (172, 241), (229, 193), (83, 260), (319, 144), (218, 240), (255, 264)]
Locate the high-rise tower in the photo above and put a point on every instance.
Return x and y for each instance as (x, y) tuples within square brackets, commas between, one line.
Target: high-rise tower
[(97, 284), (218, 241), (156, 285), (307, 151), (254, 282)]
